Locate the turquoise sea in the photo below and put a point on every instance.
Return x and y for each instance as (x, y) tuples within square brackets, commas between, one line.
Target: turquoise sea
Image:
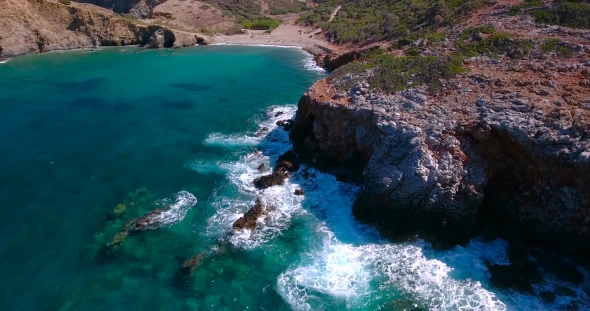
[(90, 140)]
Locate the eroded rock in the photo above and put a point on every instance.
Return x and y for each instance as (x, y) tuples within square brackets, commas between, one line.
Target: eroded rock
[(287, 125), (429, 163), (276, 178), (249, 220)]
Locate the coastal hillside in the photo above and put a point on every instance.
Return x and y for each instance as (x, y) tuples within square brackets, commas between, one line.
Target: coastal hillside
[(459, 126), (34, 26), (225, 16)]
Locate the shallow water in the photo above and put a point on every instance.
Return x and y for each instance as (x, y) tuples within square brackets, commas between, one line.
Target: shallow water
[(92, 140)]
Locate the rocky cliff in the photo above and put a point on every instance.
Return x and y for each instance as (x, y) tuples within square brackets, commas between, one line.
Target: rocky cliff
[(138, 8), (502, 149), (34, 26)]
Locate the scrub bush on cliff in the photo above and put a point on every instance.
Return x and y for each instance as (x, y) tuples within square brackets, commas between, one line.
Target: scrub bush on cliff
[(389, 73), (375, 20)]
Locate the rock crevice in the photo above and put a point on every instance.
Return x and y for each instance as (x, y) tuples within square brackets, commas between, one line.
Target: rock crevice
[(443, 170)]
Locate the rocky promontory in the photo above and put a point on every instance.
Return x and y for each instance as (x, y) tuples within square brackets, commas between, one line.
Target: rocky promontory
[(35, 26), (447, 149)]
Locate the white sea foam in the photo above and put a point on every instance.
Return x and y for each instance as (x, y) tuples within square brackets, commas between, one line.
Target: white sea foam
[(346, 263), (174, 209), (268, 138), (208, 167), (346, 272), (310, 63), (280, 199), (259, 44)]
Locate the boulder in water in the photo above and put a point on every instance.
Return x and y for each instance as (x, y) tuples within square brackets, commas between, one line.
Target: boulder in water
[(287, 125), (261, 132), (289, 161), (284, 164), (276, 178), (248, 221), (262, 167), (148, 219), (299, 192)]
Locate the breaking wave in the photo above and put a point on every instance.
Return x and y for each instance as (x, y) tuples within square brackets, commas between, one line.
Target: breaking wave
[(345, 264)]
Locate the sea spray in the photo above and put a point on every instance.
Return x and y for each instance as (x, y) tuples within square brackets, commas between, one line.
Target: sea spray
[(345, 263)]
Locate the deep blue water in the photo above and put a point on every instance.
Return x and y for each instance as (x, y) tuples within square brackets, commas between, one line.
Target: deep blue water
[(92, 140)]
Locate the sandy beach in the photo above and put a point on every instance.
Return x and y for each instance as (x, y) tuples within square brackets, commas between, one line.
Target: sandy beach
[(287, 34)]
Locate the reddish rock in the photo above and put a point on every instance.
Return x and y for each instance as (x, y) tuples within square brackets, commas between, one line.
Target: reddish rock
[(249, 220), (276, 178)]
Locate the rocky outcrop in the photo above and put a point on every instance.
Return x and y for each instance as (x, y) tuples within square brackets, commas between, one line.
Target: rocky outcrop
[(138, 8), (250, 219), (445, 166), (39, 26), (276, 178)]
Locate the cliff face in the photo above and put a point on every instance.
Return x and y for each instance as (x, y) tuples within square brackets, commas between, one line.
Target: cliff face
[(488, 154), (138, 8), (33, 26)]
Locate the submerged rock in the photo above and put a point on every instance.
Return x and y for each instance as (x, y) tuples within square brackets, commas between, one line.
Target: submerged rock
[(299, 192), (147, 221), (249, 220), (190, 265), (117, 212)]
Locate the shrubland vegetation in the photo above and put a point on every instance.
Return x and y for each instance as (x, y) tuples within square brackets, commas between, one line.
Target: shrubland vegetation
[(390, 73), (571, 13), (559, 47), (376, 20), (261, 23), (248, 13), (473, 43), (66, 2), (278, 7)]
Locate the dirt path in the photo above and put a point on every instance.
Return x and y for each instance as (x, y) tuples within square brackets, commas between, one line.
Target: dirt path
[(334, 13)]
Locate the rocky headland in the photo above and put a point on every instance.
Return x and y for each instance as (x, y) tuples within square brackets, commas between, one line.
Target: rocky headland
[(36, 26), (448, 146)]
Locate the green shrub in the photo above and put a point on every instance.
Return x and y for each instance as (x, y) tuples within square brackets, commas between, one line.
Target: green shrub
[(375, 20), (559, 47), (391, 73), (127, 16), (206, 31), (494, 45), (413, 51), (565, 14), (205, 7), (397, 73), (468, 33), (435, 36), (571, 13), (66, 2), (262, 23)]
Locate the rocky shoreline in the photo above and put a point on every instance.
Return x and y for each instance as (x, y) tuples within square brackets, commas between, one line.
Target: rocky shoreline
[(38, 26), (445, 167)]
